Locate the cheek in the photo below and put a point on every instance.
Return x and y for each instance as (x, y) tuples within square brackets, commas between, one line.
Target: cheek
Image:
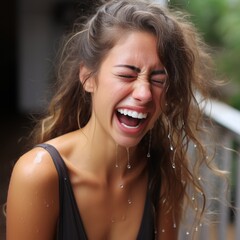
[(156, 114), (106, 96), (159, 102), (118, 90), (158, 99)]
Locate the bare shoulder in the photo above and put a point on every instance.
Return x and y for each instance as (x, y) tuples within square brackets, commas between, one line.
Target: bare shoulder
[(37, 160), (35, 168), (33, 195), (34, 173)]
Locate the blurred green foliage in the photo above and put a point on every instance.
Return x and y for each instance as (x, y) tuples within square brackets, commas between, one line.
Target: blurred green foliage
[(219, 23)]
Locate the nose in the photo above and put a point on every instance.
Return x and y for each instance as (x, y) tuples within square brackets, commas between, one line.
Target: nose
[(142, 92)]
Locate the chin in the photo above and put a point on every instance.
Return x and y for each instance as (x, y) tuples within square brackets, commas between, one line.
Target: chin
[(128, 142)]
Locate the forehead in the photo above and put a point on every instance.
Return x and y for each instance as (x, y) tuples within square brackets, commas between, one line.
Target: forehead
[(138, 48)]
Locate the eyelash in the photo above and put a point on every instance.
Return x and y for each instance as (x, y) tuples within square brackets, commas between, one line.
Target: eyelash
[(159, 83), (126, 76)]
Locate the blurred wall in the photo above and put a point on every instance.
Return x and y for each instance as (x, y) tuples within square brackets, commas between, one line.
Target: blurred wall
[(8, 56), (40, 25)]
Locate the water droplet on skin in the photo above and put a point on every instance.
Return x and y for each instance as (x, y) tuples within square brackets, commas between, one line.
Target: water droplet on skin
[(39, 157), (121, 185), (129, 201), (163, 230), (46, 203), (187, 233), (128, 159)]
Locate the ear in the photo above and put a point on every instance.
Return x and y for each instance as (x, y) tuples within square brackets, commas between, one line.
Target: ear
[(86, 79)]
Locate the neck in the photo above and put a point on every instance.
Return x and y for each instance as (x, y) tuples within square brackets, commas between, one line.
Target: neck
[(104, 155)]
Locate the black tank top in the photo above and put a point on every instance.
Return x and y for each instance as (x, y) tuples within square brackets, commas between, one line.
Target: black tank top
[(70, 225)]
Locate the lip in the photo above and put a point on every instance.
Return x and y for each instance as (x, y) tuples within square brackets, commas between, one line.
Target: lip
[(133, 130)]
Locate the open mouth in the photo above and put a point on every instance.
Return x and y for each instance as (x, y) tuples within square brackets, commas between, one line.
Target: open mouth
[(130, 119)]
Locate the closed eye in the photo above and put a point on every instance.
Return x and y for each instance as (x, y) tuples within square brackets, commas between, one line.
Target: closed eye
[(158, 82), (125, 76), (158, 78)]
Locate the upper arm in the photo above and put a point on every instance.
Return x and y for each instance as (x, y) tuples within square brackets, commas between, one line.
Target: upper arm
[(32, 203)]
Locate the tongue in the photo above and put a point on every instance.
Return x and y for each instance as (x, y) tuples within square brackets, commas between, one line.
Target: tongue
[(129, 121)]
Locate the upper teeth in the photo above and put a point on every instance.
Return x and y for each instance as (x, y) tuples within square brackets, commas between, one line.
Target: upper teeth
[(132, 114)]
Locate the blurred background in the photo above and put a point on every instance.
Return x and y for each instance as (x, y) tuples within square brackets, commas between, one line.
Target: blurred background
[(219, 23), (30, 35)]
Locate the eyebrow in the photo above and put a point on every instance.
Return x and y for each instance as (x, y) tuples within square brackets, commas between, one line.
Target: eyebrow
[(157, 72), (138, 70), (135, 69)]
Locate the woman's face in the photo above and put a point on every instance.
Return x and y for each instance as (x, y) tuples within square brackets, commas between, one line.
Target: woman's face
[(127, 94)]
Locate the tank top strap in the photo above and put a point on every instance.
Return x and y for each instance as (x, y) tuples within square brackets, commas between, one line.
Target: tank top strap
[(70, 225), (57, 159)]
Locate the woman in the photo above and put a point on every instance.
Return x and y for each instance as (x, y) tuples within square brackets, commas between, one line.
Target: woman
[(114, 160)]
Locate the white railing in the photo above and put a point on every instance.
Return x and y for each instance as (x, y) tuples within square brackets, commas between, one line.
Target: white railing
[(226, 130)]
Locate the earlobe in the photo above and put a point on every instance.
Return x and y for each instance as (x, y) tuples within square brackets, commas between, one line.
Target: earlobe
[(86, 79)]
